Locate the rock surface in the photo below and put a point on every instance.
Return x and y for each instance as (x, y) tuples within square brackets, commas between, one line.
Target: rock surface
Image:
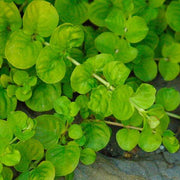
[(163, 166)]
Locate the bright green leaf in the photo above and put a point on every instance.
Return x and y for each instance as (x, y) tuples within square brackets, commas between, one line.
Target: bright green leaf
[(121, 108), (64, 158), (97, 134), (41, 18), (169, 98), (50, 66), (88, 156), (127, 139), (21, 51)]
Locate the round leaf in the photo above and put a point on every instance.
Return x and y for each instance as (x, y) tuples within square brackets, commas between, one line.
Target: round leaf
[(169, 98), (64, 158), (21, 51), (6, 104), (97, 134), (75, 131), (75, 12), (115, 21), (100, 101), (146, 70), (168, 70), (45, 170), (144, 96), (82, 80), (50, 66), (66, 36), (98, 11), (9, 16), (30, 150), (10, 156), (41, 18), (173, 15), (121, 108), (127, 139), (149, 142), (43, 97), (172, 52), (88, 156), (171, 143), (48, 130), (136, 29), (116, 73)]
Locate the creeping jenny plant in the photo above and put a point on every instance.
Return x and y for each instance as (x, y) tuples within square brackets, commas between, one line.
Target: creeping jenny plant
[(93, 60)]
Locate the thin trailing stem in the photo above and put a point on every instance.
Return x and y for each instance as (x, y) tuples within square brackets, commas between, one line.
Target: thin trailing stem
[(122, 125), (94, 75), (23, 5), (173, 115), (141, 111), (13, 140)]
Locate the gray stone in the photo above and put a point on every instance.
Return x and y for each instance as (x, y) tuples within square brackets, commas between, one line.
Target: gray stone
[(155, 167)]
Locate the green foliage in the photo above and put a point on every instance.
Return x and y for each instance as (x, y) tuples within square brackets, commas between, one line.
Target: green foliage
[(102, 54)]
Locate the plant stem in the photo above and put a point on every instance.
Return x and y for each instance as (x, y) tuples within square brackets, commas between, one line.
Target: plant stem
[(46, 43), (173, 115), (13, 140), (122, 125), (94, 75), (23, 5)]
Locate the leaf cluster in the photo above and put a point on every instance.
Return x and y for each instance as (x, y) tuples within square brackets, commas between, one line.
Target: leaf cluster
[(81, 65)]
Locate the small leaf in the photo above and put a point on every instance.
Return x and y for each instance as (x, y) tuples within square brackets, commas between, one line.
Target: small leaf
[(21, 51), (100, 101), (7, 104), (127, 139), (97, 134), (9, 16), (43, 97), (115, 21), (98, 11), (99, 61), (149, 142), (7, 173), (82, 80), (106, 42), (172, 52), (10, 156), (75, 131), (37, 23), (48, 130), (50, 66), (61, 105), (45, 170), (146, 70), (64, 158), (66, 36), (121, 108), (88, 156), (136, 29), (171, 143), (75, 12), (168, 70), (116, 73), (169, 98), (19, 77), (144, 96), (30, 150), (173, 15)]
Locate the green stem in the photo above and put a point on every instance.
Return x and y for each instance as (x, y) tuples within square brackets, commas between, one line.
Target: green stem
[(141, 111), (23, 5), (94, 75), (173, 115), (122, 125), (13, 140)]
